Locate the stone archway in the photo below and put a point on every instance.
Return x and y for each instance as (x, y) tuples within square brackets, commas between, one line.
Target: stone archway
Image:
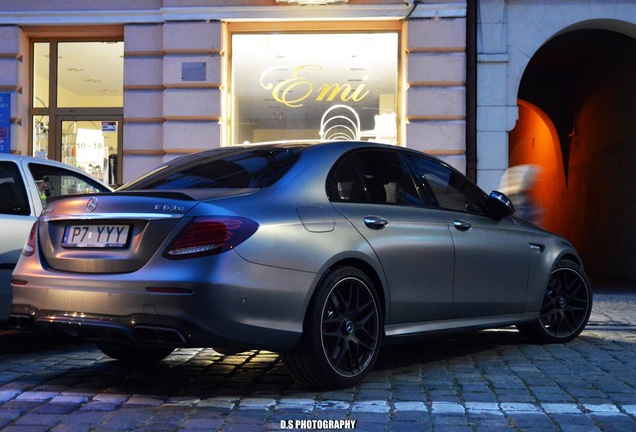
[(582, 83), (535, 141)]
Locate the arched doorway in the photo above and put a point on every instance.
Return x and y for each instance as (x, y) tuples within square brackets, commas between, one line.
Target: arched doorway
[(534, 140), (580, 88)]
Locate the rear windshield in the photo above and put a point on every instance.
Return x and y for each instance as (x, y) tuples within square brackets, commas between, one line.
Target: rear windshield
[(255, 168)]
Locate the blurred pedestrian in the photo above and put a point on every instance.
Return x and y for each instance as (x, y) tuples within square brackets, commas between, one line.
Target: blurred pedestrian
[(517, 183)]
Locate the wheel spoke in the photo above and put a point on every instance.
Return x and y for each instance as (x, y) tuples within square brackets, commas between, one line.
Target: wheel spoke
[(368, 345)]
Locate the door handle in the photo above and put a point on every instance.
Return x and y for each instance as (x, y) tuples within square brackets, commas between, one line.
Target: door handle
[(462, 225), (375, 222)]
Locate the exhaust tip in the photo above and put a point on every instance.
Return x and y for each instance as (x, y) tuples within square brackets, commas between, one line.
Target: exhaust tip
[(159, 335), (20, 322)]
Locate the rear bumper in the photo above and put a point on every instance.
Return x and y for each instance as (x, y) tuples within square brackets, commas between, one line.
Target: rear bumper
[(222, 303), (140, 329)]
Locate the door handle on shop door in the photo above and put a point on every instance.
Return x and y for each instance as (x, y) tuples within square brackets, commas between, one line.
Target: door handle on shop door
[(462, 225), (375, 222)]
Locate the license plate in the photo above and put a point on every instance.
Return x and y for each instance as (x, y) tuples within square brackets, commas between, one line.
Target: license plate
[(96, 236)]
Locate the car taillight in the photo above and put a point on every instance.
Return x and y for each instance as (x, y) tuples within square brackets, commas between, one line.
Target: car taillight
[(210, 236), (29, 246)]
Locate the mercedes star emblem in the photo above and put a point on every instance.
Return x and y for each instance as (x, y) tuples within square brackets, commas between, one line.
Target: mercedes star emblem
[(91, 205)]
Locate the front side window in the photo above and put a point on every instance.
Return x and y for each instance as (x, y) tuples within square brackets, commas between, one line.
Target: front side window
[(319, 86), (451, 190), (14, 199), (373, 176)]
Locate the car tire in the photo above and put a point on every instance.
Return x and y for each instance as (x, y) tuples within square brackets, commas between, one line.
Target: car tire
[(566, 307), (133, 354), (342, 334)]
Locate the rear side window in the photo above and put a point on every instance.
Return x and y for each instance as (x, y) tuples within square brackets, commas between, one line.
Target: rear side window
[(258, 168), (13, 196), (375, 176), (54, 181)]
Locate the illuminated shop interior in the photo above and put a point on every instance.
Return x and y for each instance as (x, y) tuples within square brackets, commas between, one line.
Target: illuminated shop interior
[(296, 86)]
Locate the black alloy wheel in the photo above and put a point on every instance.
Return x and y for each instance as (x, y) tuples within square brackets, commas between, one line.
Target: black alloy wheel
[(343, 332), (566, 307), (349, 327)]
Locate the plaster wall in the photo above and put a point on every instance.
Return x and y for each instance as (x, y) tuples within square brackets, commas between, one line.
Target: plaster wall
[(14, 81), (435, 103)]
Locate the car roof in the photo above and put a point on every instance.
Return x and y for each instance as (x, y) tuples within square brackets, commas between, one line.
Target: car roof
[(18, 157)]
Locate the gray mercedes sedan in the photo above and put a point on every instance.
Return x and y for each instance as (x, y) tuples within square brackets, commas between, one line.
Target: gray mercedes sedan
[(321, 252)]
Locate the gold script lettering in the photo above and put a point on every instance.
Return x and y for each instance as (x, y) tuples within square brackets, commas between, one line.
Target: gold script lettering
[(303, 88), (281, 91), (344, 96)]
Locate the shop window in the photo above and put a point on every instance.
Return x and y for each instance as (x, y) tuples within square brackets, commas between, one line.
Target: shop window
[(90, 74), (41, 74), (297, 86), (77, 104)]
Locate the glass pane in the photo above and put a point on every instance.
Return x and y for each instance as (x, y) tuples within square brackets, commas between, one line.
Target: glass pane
[(314, 86), (254, 168), (14, 198), (452, 190), (90, 74), (54, 181), (41, 136), (91, 145), (41, 74)]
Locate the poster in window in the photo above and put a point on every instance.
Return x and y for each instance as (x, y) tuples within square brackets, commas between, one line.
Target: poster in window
[(5, 122)]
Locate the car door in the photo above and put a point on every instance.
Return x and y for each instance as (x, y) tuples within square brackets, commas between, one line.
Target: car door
[(375, 191), (491, 255), (27, 183), (16, 219)]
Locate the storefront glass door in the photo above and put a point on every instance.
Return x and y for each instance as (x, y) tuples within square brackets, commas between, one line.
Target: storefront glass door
[(92, 144)]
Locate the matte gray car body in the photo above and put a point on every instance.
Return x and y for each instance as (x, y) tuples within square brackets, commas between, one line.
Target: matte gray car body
[(412, 263)]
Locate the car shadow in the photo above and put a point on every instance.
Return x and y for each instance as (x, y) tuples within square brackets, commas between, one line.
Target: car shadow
[(444, 348), (199, 374), (19, 342)]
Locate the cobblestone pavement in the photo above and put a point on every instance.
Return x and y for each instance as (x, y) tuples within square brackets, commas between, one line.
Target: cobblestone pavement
[(487, 381)]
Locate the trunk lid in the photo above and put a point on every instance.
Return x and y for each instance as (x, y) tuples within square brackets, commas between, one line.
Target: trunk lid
[(109, 233)]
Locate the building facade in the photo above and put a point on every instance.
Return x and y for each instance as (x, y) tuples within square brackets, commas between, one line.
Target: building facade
[(121, 87), (151, 80)]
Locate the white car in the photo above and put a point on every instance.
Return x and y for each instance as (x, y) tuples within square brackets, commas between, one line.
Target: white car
[(25, 184)]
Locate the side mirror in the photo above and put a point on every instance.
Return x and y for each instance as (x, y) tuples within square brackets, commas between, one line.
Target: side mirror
[(500, 205)]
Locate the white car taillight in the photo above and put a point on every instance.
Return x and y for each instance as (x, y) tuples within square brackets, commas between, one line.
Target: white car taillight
[(29, 245)]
